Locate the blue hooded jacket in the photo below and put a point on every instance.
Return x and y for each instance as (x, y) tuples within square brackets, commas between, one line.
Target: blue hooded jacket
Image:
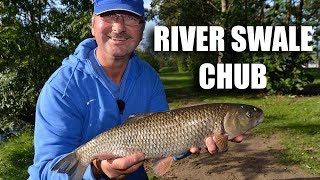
[(78, 102)]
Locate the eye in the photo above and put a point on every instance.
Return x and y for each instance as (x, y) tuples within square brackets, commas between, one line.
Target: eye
[(249, 114), (109, 17), (131, 18)]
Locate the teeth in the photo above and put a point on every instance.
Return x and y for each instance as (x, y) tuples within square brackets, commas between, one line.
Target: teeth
[(115, 39)]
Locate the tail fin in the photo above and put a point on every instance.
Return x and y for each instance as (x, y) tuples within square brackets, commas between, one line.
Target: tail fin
[(71, 165)]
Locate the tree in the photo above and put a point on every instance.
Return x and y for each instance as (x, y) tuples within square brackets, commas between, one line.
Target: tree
[(34, 38)]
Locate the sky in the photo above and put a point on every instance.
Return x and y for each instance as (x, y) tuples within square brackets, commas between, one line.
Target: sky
[(147, 3), (149, 24)]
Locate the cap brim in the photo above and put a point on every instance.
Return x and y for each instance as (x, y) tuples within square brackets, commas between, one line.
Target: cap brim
[(101, 8), (118, 10)]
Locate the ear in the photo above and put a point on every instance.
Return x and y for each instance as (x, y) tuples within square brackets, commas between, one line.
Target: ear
[(92, 24), (142, 30), (144, 26)]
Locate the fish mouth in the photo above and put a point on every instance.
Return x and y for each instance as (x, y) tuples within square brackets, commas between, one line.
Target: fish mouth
[(259, 120)]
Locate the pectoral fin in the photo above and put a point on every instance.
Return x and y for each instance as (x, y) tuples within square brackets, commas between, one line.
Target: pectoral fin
[(161, 166), (221, 142)]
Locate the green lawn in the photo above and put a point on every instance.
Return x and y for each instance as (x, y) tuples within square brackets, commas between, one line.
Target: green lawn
[(16, 156), (296, 119)]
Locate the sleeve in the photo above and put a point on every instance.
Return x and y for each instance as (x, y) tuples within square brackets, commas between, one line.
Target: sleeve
[(58, 131)]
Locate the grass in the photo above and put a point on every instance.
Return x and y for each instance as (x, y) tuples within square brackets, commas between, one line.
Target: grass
[(168, 69), (16, 155), (176, 80), (296, 119)]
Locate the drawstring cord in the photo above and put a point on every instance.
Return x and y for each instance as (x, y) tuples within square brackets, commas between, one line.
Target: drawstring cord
[(65, 90)]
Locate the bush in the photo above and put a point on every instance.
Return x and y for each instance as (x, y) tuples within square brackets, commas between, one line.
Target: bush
[(20, 85), (10, 106), (195, 60), (285, 73)]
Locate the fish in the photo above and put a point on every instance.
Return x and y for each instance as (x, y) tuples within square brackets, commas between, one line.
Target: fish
[(163, 135)]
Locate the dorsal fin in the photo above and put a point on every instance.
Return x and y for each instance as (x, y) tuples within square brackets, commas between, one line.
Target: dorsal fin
[(134, 117)]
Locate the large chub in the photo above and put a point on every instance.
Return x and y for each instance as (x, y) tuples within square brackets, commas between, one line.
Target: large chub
[(162, 135)]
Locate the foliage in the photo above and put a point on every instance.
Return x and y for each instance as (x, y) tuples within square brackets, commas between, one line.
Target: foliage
[(285, 74), (34, 38), (22, 71), (72, 20), (284, 69)]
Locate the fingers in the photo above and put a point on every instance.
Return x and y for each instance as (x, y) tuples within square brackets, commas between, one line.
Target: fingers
[(211, 145), (126, 162), (120, 167), (194, 150), (238, 139), (118, 173)]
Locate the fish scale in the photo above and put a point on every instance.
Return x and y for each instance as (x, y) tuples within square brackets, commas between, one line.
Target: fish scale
[(164, 134)]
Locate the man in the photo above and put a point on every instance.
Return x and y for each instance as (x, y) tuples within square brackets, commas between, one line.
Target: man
[(95, 89)]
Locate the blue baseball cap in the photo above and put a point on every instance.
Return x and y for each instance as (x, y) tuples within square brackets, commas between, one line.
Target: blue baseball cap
[(134, 6)]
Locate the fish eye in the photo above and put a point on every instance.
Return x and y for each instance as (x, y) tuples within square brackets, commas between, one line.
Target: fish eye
[(249, 114)]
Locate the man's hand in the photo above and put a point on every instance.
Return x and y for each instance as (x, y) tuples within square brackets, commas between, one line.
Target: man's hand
[(115, 167), (211, 145)]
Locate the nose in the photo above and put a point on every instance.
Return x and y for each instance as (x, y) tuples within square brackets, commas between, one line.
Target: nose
[(118, 25)]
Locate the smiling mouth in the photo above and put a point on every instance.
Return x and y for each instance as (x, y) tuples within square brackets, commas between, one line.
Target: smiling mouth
[(119, 39)]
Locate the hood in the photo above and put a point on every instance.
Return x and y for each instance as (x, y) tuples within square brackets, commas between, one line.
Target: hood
[(80, 58)]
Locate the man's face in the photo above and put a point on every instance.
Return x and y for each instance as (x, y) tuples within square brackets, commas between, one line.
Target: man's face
[(117, 34)]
